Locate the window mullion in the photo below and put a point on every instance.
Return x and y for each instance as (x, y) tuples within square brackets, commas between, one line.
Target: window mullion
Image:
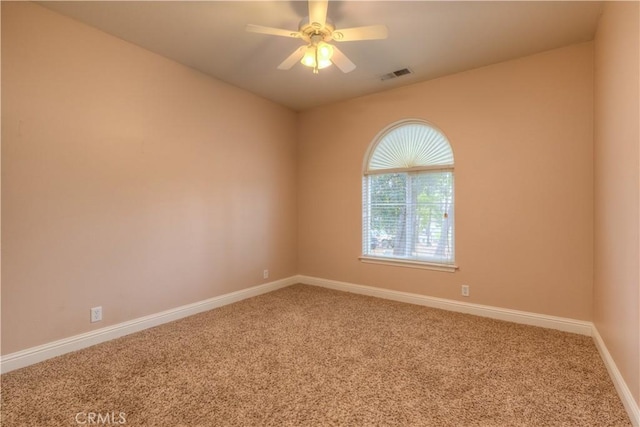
[(411, 215)]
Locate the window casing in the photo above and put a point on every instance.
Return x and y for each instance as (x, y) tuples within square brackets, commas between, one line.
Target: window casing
[(408, 198)]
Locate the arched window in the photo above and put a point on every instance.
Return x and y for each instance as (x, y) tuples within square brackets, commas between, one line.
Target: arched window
[(408, 197)]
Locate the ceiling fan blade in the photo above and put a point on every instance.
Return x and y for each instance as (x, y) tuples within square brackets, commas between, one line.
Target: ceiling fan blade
[(342, 61), (318, 12), (292, 59), (371, 32), (272, 31)]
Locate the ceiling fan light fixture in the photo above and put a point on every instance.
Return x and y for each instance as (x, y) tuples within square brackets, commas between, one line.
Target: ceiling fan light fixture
[(323, 63), (325, 51), (309, 58), (317, 56)]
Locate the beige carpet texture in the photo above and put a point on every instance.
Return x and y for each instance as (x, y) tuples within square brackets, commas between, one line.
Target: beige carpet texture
[(308, 356)]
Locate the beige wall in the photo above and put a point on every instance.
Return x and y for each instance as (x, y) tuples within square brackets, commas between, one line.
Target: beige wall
[(617, 182), (522, 137), (129, 181), (135, 183)]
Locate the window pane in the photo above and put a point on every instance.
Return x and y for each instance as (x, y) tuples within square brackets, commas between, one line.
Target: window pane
[(432, 216), (410, 216), (387, 214)]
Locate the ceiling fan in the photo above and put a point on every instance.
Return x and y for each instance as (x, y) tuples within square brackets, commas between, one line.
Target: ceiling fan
[(317, 31)]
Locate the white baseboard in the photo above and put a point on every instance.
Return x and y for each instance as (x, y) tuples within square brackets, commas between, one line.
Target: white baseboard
[(628, 401), (516, 316), (37, 354)]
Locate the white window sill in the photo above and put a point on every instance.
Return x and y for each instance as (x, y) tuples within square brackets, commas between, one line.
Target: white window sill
[(408, 263)]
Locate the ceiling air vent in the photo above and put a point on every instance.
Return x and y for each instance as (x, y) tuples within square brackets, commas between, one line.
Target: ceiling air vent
[(395, 74)]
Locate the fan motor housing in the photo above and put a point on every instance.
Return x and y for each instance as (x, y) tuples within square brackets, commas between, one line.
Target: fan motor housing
[(309, 31)]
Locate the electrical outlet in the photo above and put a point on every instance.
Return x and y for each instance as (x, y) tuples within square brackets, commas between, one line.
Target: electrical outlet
[(265, 274), (96, 314), (465, 290)]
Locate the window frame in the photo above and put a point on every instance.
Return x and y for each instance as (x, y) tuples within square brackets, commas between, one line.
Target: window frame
[(410, 262)]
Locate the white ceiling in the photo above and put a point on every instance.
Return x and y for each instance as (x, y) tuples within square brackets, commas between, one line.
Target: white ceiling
[(432, 38)]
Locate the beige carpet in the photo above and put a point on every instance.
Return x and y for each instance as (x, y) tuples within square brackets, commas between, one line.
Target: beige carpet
[(307, 356)]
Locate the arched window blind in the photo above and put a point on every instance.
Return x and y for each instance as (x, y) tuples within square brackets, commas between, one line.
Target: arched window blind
[(408, 197), (411, 145)]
